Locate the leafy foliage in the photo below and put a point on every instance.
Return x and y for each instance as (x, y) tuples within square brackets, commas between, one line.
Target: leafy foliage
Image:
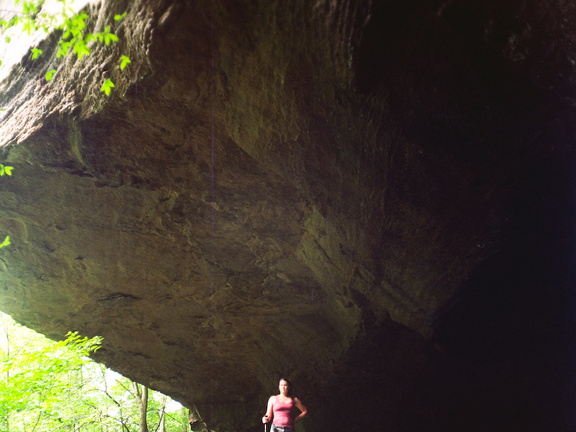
[(50, 74), (5, 170), (124, 61), (41, 392), (54, 386), (107, 86), (72, 25), (5, 242)]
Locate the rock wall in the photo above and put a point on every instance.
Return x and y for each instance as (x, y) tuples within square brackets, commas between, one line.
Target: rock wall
[(374, 198)]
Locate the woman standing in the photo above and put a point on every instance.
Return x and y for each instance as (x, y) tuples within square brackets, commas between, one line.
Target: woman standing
[(282, 409)]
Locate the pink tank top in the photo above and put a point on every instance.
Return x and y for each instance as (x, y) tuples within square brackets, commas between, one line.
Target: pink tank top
[(283, 413)]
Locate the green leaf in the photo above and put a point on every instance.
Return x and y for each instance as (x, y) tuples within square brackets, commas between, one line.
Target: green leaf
[(118, 17), (81, 49), (36, 53), (107, 86), (78, 23), (50, 74), (30, 8), (6, 242), (124, 61), (64, 48), (109, 38), (28, 27), (8, 170)]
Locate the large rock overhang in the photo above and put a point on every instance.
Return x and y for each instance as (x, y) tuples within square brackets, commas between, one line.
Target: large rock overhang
[(353, 194)]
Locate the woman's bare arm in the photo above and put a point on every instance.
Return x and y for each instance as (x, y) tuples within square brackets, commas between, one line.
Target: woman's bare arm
[(268, 416), (302, 408)]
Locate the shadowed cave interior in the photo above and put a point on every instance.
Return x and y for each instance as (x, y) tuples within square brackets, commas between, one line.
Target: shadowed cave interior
[(375, 198)]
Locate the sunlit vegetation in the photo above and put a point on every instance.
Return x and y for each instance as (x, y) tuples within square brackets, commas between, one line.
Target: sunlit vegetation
[(5, 170), (49, 386), (28, 17)]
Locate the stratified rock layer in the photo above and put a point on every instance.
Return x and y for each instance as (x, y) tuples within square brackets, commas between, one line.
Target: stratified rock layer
[(375, 198)]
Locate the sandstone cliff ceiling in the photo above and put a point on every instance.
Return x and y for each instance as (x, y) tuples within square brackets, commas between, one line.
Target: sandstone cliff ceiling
[(376, 198)]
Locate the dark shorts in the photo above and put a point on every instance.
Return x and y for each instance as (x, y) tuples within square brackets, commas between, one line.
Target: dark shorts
[(281, 429)]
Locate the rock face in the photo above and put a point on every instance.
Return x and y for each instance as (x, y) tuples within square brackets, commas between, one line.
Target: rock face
[(374, 198)]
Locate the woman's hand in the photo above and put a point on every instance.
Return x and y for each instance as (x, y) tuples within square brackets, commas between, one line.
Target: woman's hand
[(265, 419)]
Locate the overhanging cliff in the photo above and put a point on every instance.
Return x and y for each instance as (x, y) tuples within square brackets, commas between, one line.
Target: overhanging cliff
[(375, 198)]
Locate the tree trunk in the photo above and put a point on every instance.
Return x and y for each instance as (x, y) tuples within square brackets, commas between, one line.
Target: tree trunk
[(141, 393), (162, 414)]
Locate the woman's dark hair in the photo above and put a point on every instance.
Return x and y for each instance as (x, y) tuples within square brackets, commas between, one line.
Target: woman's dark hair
[(290, 388)]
